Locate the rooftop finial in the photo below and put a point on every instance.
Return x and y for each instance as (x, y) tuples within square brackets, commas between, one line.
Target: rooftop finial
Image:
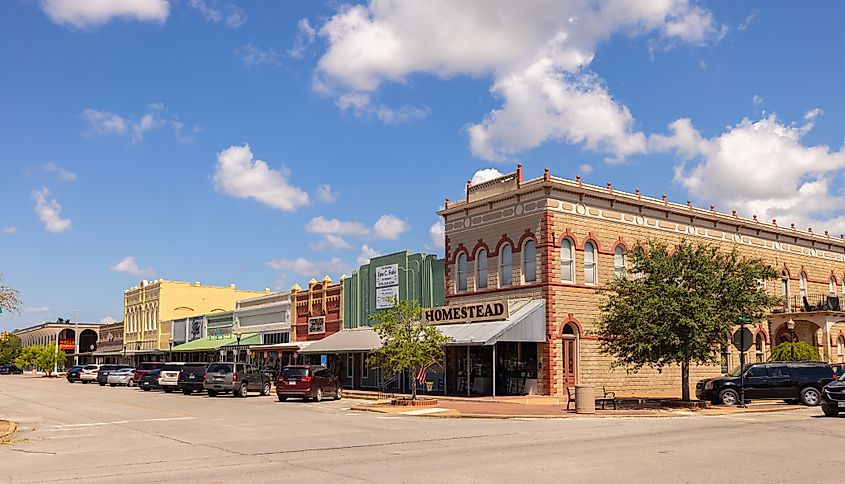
[(689, 203), (610, 187), (518, 175), (546, 175), (638, 194), (792, 226), (713, 208), (755, 218), (774, 221), (665, 202), (578, 179), (733, 212), (447, 202)]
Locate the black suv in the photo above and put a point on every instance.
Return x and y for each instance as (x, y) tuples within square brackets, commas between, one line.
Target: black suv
[(191, 377), (10, 370), (833, 398), (103, 374), (782, 380)]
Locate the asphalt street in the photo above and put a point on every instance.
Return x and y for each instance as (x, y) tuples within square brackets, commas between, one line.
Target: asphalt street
[(74, 432)]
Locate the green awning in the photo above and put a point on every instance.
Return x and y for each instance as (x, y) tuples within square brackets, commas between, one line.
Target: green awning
[(212, 343)]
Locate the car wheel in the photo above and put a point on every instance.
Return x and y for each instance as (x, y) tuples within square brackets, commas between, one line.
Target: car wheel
[(728, 397), (85, 382), (131, 383), (265, 390), (167, 390), (145, 389), (186, 391), (283, 398), (830, 411), (810, 397), (212, 393), (338, 394), (102, 384), (242, 391), (318, 397)]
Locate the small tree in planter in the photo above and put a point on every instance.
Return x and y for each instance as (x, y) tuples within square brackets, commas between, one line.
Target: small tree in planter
[(408, 342), (797, 351)]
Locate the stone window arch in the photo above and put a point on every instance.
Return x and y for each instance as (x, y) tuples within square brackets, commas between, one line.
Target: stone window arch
[(505, 265), (462, 272), (529, 261), (567, 260), (590, 266), (619, 256), (481, 269)]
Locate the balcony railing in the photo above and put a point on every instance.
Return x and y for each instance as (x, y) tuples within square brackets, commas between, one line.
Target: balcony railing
[(810, 302)]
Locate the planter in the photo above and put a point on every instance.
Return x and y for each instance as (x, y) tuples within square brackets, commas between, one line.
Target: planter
[(403, 402)]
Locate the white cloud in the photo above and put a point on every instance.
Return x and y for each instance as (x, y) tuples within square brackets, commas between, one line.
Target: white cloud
[(437, 232), (757, 100), (252, 55), (761, 168), (65, 175), (129, 266), (484, 175), (9, 230), (104, 122), (84, 14), (234, 16), (331, 242), (748, 20), (366, 254), (325, 194), (389, 227), (586, 168), (34, 310), (108, 320), (50, 212), (239, 175), (361, 106), (538, 55), (322, 225), (304, 38), (309, 268), (148, 122)]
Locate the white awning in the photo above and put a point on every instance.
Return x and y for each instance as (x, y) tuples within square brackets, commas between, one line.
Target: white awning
[(527, 324), (346, 341)]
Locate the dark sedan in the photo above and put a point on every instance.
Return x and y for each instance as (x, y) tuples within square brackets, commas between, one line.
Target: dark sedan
[(149, 381), (833, 398), (74, 373), (10, 370)]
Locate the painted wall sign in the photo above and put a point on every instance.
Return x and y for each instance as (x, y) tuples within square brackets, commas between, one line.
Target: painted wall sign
[(386, 297), (67, 344), (317, 325), (387, 275), (467, 313)]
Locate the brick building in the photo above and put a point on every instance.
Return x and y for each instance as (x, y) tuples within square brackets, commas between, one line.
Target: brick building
[(560, 240), (319, 312)]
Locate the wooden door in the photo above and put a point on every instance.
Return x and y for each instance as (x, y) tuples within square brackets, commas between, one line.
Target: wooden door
[(570, 360)]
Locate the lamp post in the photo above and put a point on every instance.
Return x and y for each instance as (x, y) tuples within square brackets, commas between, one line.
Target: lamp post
[(790, 325), (742, 321), (170, 351), (238, 347), (124, 354)]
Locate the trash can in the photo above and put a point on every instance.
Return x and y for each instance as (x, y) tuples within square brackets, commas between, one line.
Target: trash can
[(585, 399)]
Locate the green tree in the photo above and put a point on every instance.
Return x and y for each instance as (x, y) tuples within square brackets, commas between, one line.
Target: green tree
[(10, 348), (679, 305), (408, 342), (802, 352), (27, 356), (9, 298), (41, 358)]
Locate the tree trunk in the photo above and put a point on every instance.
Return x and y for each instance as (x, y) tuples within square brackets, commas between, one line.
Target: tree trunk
[(685, 381), (414, 384)]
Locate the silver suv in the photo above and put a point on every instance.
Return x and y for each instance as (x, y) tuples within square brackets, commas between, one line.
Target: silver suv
[(238, 378)]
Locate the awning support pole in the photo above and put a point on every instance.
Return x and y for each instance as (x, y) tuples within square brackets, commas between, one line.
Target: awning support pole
[(494, 370), (445, 373), (468, 371)]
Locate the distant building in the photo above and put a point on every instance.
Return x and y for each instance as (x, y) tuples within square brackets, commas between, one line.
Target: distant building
[(62, 335), (110, 344)]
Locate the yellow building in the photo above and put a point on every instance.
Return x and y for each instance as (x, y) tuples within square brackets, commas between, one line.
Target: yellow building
[(149, 307)]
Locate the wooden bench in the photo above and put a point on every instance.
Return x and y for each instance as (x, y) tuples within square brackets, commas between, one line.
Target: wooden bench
[(608, 397)]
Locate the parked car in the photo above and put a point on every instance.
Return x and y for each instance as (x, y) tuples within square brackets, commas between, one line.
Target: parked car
[(833, 397), (103, 374), (89, 373), (147, 367), (150, 380), (307, 382), (192, 377), (73, 373), (238, 378), (838, 369), (10, 370), (123, 376), (781, 380), (169, 378)]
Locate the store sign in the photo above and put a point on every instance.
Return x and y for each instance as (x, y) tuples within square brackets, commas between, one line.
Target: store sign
[(386, 297), (468, 313), (387, 275), (67, 344), (317, 325)]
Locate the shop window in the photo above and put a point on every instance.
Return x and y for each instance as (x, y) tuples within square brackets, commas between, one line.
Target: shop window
[(350, 365), (529, 262), (619, 261), (590, 276), (567, 261), (759, 345), (505, 266), (462, 272), (481, 269)]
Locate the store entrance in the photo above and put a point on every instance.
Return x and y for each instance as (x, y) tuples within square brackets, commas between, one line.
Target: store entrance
[(570, 355)]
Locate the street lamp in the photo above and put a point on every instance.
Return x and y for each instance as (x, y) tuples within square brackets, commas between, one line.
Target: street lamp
[(170, 353), (742, 321), (790, 325), (238, 347)]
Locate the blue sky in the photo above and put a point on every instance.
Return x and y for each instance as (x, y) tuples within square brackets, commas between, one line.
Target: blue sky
[(131, 130)]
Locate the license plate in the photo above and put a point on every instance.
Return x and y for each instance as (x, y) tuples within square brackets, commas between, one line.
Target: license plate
[(291, 382), (841, 404), (192, 377)]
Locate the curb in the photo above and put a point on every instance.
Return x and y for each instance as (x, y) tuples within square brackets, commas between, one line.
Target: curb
[(7, 434)]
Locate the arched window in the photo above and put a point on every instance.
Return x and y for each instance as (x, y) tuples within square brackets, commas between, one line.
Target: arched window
[(462, 272), (481, 269), (759, 345), (831, 287), (567, 261), (840, 348), (802, 287), (529, 262), (590, 276), (784, 288), (619, 261), (505, 266)]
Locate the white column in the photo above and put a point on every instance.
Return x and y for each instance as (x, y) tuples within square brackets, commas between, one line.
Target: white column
[(56, 364)]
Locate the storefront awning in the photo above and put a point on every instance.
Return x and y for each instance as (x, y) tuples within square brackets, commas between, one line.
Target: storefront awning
[(281, 346), (213, 343), (346, 341), (106, 353), (526, 324)]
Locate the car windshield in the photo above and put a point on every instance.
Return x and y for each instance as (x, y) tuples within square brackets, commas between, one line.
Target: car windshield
[(735, 371), (220, 369), (294, 372), (148, 366)]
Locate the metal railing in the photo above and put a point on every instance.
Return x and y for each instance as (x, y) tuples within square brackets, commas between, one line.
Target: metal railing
[(810, 302)]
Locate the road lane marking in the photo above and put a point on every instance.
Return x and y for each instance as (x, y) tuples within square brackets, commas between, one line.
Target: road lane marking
[(118, 422)]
